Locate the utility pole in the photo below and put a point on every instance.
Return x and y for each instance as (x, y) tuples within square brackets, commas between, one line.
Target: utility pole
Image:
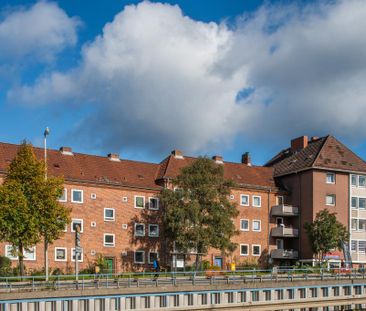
[(77, 252), (46, 133)]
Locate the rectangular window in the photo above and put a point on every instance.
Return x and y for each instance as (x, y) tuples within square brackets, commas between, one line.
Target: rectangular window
[(152, 256), (361, 181), (80, 255), (336, 291), (330, 178), (257, 201), (244, 249), (77, 196), (244, 200), (109, 240), (60, 254), (267, 295), (290, 293), (280, 200), (330, 199), (354, 202), (77, 222), (362, 246), (362, 224), (256, 250), (244, 224), (109, 214), (354, 224), (353, 246), (63, 197), (362, 203), (354, 180), (153, 203), (325, 291), (279, 294), (139, 257), (189, 299), (139, 229), (28, 254), (139, 201), (203, 299), (153, 230), (302, 292), (255, 295), (256, 225), (230, 297)]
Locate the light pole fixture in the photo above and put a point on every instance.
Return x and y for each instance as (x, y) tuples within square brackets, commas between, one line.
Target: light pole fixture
[(46, 133)]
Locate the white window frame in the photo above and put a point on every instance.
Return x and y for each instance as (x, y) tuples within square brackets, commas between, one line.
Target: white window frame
[(241, 201), (139, 196), (242, 254), (137, 224), (8, 249), (358, 181), (153, 236), (158, 203), (72, 257), (110, 218), (278, 197), (72, 196), (356, 177), (356, 207), (81, 224), (148, 256), (260, 225), (64, 191), (105, 244), (260, 250), (143, 257), (260, 200), (358, 203), (326, 178), (247, 220), (61, 248), (26, 253), (330, 195)]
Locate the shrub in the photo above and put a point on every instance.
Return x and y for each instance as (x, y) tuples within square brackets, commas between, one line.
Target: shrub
[(5, 266)]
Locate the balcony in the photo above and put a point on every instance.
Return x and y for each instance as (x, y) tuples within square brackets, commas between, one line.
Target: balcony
[(283, 232), (285, 210), (284, 254)]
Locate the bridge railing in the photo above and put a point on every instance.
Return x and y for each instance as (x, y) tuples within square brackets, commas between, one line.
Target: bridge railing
[(149, 279)]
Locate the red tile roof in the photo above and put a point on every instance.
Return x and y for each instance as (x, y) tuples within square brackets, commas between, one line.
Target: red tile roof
[(242, 174), (322, 153), (90, 168)]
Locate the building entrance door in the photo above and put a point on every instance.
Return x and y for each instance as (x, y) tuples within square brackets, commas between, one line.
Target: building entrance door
[(218, 262), (110, 265), (279, 221)]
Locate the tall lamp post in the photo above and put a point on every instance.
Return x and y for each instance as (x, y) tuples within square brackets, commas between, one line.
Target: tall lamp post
[(46, 133)]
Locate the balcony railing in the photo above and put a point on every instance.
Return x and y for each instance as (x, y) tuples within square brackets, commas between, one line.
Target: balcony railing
[(285, 210), (283, 232), (284, 254)]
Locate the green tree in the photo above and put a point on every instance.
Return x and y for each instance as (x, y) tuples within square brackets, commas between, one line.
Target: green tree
[(198, 215), (29, 209), (325, 233)]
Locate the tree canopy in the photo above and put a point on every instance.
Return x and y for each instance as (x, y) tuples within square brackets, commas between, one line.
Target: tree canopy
[(325, 233), (29, 210), (198, 214)]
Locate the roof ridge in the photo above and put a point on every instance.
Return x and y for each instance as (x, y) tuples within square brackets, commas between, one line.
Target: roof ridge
[(320, 149)]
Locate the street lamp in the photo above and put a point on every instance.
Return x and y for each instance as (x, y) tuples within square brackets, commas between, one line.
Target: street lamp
[(46, 133)]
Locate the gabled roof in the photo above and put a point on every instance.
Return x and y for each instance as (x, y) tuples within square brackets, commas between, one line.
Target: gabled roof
[(90, 168), (242, 174), (322, 153)]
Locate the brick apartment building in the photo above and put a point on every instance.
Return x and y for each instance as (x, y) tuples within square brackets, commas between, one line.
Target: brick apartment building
[(115, 201)]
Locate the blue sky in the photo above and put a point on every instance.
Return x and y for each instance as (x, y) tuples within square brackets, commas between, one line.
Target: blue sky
[(207, 77)]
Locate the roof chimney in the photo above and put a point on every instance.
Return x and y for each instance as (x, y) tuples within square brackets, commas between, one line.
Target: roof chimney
[(114, 157), (218, 159), (245, 159), (66, 151), (177, 154), (299, 143)]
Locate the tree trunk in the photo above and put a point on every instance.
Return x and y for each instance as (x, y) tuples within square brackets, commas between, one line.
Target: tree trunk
[(46, 257), (21, 259)]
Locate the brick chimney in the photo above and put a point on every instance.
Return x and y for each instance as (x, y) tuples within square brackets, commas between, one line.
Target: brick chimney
[(299, 143), (245, 159), (66, 151), (114, 157), (177, 154), (218, 159)]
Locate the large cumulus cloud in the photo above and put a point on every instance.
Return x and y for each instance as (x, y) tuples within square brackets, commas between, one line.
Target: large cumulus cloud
[(156, 78)]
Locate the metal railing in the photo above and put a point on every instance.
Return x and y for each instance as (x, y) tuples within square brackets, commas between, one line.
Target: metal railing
[(153, 279)]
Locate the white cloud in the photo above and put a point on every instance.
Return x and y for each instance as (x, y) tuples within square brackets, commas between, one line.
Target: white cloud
[(156, 79), (37, 32)]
